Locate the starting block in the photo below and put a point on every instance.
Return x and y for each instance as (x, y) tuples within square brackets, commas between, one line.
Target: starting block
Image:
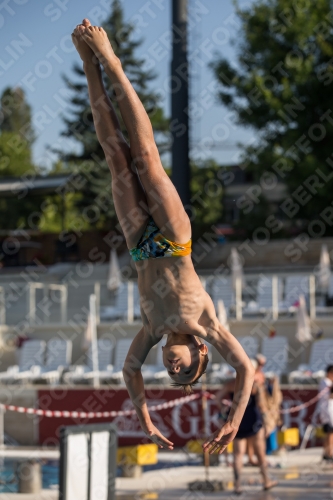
[(142, 454), (132, 458), (288, 437), (195, 446)]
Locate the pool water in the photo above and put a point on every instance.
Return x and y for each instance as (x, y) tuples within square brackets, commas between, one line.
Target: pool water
[(9, 470)]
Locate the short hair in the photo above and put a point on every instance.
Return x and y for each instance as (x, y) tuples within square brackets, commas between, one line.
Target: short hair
[(188, 388), (329, 369)]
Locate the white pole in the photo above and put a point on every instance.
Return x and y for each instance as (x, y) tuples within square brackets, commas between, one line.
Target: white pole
[(63, 304), (312, 292), (94, 345), (130, 302), (2, 426), (2, 306), (97, 291), (46, 302), (32, 303), (275, 298), (239, 311)]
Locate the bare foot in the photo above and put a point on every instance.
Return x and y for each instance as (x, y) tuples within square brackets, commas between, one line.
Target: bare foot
[(98, 41), (85, 52), (270, 485)]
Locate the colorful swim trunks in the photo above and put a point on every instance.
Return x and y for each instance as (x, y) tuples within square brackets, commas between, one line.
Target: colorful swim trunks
[(153, 245)]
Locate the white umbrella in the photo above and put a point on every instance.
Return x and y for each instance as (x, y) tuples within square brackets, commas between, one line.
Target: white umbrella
[(236, 266), (87, 334), (222, 314), (90, 337), (114, 278), (324, 271), (303, 328)]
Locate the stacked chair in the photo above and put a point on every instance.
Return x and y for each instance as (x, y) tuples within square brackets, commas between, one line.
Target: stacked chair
[(321, 355), (31, 359), (80, 374), (58, 359), (275, 350), (222, 372)]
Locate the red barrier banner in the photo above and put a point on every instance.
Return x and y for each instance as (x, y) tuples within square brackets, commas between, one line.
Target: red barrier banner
[(179, 423)]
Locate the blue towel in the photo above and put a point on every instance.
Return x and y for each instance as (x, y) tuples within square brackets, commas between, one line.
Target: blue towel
[(271, 442)]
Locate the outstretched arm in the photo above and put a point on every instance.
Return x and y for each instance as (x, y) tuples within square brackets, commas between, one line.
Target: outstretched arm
[(231, 350), (209, 328), (136, 356)]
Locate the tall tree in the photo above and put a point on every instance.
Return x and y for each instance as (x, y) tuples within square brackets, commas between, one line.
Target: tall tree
[(16, 137), (282, 87), (15, 114), (79, 124), (207, 199)]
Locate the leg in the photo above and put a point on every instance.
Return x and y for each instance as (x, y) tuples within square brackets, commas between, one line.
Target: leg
[(251, 454), (325, 445), (162, 197), (258, 442), (128, 196), (239, 452), (330, 444)]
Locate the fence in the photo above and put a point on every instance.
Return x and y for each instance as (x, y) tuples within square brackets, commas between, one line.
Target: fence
[(36, 303)]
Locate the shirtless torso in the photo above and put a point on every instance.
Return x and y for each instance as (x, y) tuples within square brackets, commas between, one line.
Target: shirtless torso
[(171, 295)]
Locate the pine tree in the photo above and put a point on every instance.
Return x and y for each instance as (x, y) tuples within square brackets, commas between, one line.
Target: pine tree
[(15, 114), (281, 87), (16, 138), (96, 195)]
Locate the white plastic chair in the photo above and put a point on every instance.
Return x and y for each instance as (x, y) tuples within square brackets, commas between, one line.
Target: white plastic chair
[(150, 370), (265, 293), (250, 345), (120, 309), (31, 360), (221, 288), (321, 356), (294, 287), (58, 358), (221, 373), (121, 350), (275, 350), (85, 373)]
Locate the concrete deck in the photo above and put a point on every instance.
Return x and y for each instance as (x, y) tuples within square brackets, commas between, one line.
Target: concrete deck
[(301, 475), (29, 453)]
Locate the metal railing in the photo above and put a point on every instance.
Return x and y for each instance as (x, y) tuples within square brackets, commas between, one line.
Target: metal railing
[(45, 304), (49, 302)]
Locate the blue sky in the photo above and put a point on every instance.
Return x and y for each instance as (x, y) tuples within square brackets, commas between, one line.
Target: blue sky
[(36, 50)]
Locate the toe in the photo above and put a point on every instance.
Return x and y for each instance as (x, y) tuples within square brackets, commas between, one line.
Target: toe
[(86, 22), (86, 31)]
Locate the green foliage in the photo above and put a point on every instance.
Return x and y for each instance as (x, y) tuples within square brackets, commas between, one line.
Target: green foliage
[(16, 138), (15, 157), (15, 114), (282, 88), (207, 201), (15, 163), (79, 125), (62, 213)]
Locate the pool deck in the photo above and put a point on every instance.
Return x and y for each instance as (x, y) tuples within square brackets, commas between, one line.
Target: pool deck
[(29, 453), (301, 475)]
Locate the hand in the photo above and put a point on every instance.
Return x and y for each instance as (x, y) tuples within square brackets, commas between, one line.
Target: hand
[(221, 438), (157, 437)]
